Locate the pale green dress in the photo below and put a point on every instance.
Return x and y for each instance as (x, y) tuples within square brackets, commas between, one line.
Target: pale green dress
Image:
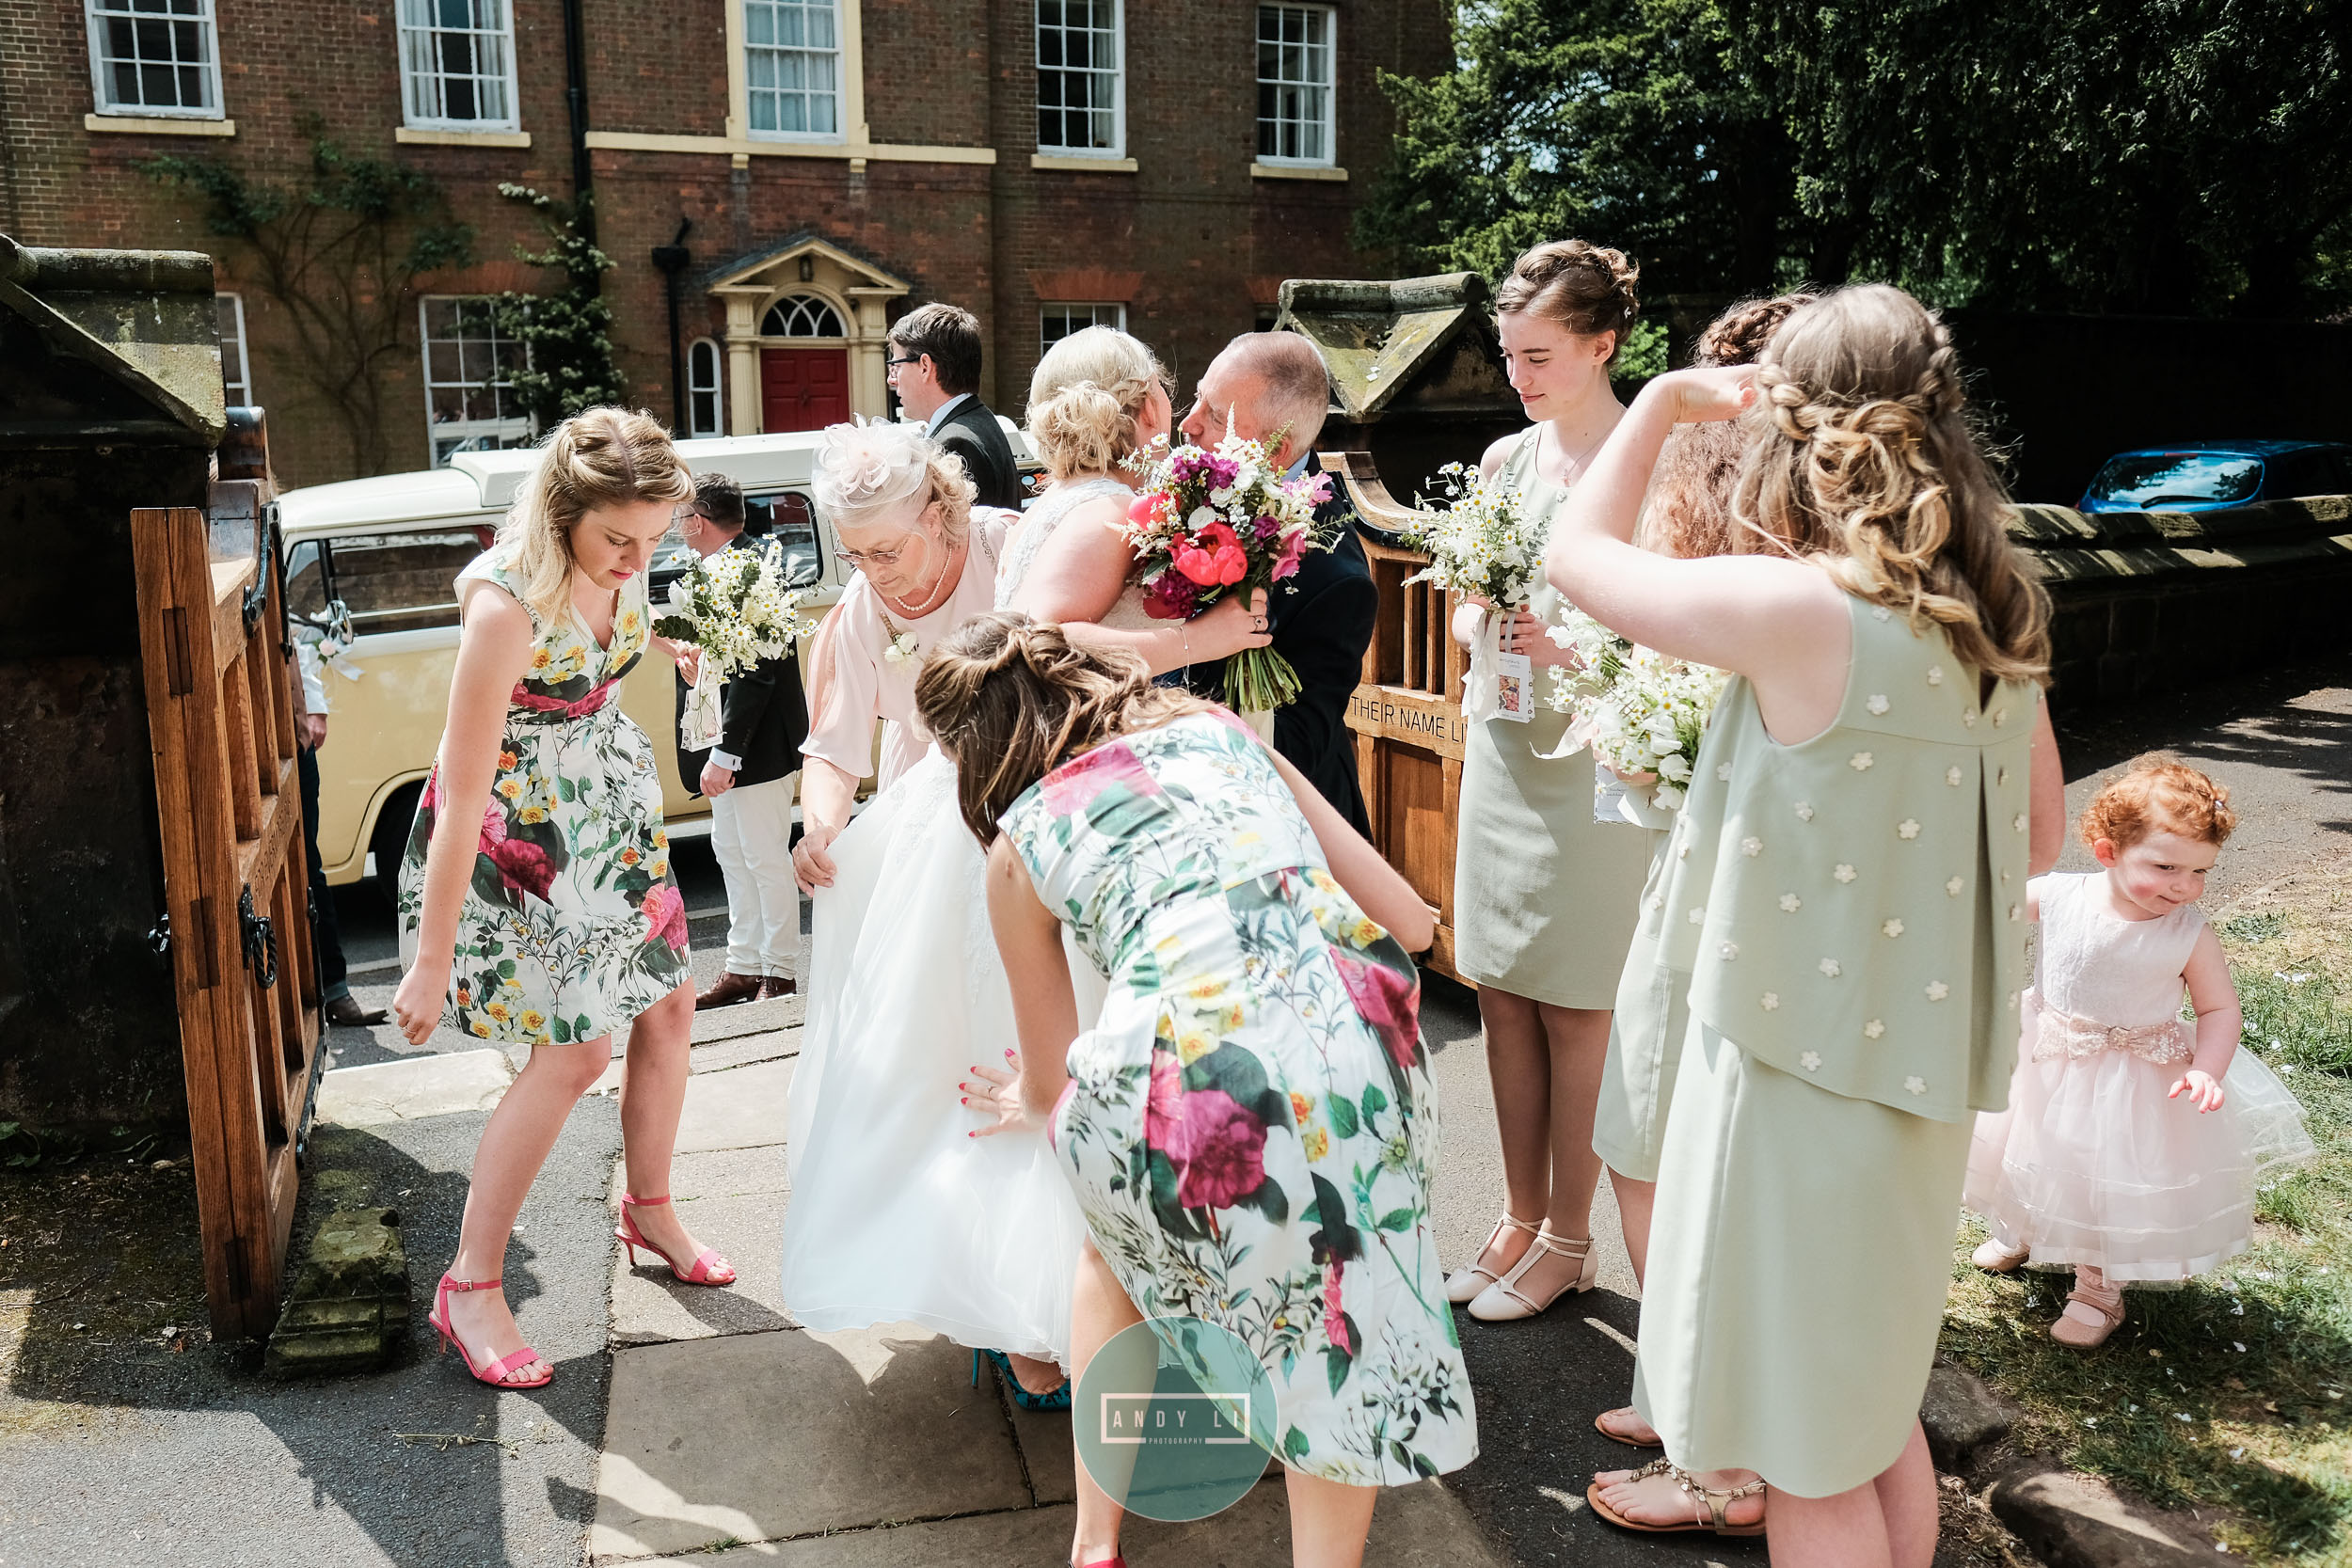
[(1544, 896), (1850, 910), (1646, 1029)]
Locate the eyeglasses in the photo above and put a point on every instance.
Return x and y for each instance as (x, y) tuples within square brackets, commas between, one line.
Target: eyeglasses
[(855, 559), (889, 365)]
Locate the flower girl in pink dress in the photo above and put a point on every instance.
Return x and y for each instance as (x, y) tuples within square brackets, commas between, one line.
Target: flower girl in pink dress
[(2133, 1139)]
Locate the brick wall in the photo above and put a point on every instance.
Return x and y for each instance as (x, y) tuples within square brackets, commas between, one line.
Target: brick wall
[(1193, 241)]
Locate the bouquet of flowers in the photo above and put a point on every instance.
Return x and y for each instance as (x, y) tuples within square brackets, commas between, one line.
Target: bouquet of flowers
[(735, 610), (1641, 712), (1212, 523), (1479, 544)]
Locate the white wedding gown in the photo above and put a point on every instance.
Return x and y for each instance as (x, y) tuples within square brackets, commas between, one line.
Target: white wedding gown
[(897, 1213)]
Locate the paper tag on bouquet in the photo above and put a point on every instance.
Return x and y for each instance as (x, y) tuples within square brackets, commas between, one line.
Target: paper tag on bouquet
[(1514, 688)]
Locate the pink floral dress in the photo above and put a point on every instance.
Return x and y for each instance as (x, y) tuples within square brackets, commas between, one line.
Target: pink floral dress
[(573, 923), (1250, 1126)]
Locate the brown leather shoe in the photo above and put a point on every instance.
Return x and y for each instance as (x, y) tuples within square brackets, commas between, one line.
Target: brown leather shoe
[(775, 986), (344, 1012), (728, 990)]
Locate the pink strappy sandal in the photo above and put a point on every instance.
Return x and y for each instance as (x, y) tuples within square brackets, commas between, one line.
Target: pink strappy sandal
[(499, 1374), (709, 1268)]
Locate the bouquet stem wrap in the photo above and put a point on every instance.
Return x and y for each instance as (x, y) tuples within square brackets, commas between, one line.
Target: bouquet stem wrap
[(1484, 681), (701, 722)]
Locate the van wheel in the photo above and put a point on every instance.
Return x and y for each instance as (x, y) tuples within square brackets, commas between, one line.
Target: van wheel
[(389, 841)]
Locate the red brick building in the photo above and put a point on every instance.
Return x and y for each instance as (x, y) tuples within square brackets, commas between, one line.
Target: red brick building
[(1045, 162)]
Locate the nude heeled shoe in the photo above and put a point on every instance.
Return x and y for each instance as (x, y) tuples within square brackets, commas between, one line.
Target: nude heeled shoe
[(1465, 1283), (1505, 1302)]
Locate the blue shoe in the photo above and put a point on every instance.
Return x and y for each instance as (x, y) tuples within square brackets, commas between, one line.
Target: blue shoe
[(1057, 1399)]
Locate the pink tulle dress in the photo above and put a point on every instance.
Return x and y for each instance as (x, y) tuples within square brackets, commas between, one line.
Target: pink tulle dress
[(2090, 1163)]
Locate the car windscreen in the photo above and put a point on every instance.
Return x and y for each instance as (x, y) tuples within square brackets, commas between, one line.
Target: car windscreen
[(785, 516), (2156, 479)]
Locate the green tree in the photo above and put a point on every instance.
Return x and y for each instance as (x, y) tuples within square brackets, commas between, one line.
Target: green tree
[(2173, 156), (1627, 122), (569, 332), (343, 252)]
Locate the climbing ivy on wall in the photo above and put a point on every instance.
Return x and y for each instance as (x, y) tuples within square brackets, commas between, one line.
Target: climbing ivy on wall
[(568, 331)]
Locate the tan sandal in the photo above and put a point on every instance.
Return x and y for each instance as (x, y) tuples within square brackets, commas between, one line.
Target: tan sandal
[(1464, 1284), (1505, 1302), (1709, 1508), (1601, 1424), (2075, 1334)]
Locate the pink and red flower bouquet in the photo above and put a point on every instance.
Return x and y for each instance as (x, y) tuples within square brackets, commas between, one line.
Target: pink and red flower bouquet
[(1212, 523)]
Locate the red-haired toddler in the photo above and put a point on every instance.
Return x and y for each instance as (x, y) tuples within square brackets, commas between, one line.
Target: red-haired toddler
[(2134, 1138)]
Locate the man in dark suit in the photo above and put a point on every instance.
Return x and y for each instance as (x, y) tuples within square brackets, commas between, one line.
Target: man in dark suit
[(934, 366), (1266, 386), (749, 776)]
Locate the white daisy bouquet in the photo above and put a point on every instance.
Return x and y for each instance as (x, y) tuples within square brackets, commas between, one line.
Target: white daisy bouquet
[(1208, 524), (736, 607), (1643, 713), (1476, 540), (1479, 544)]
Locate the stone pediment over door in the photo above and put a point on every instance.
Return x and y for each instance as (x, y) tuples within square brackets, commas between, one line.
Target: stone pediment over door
[(804, 295)]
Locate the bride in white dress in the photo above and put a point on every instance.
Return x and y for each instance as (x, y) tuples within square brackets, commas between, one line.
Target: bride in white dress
[(898, 1213)]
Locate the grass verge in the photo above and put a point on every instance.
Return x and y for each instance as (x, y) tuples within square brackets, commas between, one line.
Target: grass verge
[(2230, 1397)]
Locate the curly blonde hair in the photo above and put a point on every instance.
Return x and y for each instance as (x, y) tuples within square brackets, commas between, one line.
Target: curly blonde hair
[(1085, 399), (599, 457), (1687, 513), (868, 473), (1589, 289), (1012, 699), (2157, 792), (1859, 454)]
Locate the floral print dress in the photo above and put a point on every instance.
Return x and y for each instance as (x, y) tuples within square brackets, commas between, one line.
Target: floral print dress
[(1250, 1126), (572, 923)]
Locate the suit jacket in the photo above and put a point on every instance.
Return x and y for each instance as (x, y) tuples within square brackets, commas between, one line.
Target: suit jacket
[(1322, 619), (764, 717), (974, 435)]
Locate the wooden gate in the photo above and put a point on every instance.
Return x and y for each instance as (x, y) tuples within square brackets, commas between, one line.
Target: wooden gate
[(1408, 712), (220, 718)]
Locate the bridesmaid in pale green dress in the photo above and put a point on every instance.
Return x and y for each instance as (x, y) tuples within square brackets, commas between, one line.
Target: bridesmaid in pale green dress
[(1846, 892), (1544, 896), (1687, 515)]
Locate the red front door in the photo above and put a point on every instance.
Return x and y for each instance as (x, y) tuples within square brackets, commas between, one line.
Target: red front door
[(804, 388)]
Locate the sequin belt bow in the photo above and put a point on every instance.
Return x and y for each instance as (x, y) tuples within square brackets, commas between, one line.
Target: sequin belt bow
[(2063, 1035), (531, 707)]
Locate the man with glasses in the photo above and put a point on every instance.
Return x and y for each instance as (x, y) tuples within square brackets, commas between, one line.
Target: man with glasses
[(749, 776), (934, 367)]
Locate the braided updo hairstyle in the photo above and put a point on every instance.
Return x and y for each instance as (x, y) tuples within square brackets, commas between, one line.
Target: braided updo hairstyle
[(1011, 699), (599, 457), (1860, 454), (1588, 289), (1085, 398), (1688, 513)]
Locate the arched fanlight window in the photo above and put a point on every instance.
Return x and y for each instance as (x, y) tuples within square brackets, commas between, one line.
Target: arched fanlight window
[(701, 389), (802, 316)]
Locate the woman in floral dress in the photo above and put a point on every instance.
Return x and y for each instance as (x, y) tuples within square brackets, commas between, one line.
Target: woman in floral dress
[(1248, 1125), (556, 920)]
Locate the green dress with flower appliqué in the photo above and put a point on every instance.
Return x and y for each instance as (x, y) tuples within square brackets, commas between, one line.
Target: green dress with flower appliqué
[(572, 923), (1249, 1127)]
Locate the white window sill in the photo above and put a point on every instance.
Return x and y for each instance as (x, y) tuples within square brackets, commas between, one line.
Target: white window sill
[(416, 137), (160, 125), (1081, 164), (1297, 171)]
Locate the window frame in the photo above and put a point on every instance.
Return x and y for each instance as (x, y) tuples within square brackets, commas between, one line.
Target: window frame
[(716, 392), (411, 83), (1044, 306), (244, 383), (1118, 74), (459, 432), (95, 15), (840, 51), (1330, 120)]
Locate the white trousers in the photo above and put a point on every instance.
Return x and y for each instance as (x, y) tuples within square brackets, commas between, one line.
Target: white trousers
[(750, 837)]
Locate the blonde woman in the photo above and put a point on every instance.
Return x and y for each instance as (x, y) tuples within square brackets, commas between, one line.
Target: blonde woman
[(897, 1215), (1544, 896), (548, 916)]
